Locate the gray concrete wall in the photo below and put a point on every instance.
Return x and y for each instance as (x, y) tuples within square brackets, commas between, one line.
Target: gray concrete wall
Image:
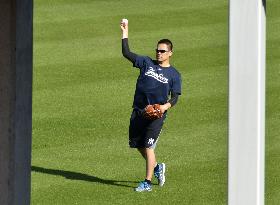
[(15, 100)]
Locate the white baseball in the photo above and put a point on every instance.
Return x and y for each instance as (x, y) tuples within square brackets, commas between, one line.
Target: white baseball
[(125, 21)]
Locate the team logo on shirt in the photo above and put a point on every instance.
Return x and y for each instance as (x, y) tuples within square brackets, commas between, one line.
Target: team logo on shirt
[(159, 77)]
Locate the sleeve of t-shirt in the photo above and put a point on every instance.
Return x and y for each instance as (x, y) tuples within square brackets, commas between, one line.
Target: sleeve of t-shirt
[(141, 61), (176, 85), (126, 51)]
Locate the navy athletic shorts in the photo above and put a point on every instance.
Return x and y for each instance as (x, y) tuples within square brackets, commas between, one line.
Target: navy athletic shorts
[(144, 133)]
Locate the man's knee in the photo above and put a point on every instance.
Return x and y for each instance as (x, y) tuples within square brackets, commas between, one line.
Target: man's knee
[(149, 151)]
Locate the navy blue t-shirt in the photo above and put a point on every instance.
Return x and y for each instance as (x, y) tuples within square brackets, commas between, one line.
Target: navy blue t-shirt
[(154, 83)]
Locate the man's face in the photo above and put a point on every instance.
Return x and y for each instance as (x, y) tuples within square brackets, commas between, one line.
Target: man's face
[(162, 52)]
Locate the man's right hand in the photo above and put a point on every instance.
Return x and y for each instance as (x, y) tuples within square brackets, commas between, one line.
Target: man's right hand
[(124, 27)]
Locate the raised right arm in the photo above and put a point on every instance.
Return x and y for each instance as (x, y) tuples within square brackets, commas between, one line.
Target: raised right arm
[(125, 47)]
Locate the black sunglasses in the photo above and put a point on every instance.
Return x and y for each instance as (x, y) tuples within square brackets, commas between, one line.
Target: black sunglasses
[(161, 51)]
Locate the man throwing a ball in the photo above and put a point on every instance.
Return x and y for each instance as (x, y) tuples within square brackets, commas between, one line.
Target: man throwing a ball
[(157, 80)]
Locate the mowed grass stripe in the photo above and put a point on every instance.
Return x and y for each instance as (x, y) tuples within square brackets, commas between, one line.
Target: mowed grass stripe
[(50, 11), (190, 36), (86, 28), (87, 50)]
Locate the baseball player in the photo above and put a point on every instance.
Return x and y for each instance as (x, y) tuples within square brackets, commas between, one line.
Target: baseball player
[(157, 80)]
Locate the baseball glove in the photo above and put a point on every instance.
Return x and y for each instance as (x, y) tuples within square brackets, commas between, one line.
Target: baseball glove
[(152, 112)]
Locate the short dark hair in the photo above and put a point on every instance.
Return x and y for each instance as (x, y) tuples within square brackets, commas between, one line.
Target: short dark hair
[(167, 42)]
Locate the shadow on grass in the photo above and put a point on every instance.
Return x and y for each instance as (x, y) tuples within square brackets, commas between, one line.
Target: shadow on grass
[(80, 176)]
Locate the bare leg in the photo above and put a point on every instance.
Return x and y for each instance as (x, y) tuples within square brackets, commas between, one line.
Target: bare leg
[(150, 163), (149, 155)]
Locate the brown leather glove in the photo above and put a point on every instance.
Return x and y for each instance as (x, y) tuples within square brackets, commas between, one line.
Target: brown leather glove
[(152, 112)]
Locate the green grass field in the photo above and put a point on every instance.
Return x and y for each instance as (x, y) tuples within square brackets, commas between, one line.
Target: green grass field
[(83, 91), (272, 104)]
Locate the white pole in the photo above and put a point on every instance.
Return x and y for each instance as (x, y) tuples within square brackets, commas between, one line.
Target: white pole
[(246, 102)]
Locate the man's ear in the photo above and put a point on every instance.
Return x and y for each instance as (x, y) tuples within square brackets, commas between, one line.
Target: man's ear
[(170, 53)]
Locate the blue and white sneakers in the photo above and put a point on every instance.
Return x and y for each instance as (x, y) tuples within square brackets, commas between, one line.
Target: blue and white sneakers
[(159, 173), (144, 186)]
